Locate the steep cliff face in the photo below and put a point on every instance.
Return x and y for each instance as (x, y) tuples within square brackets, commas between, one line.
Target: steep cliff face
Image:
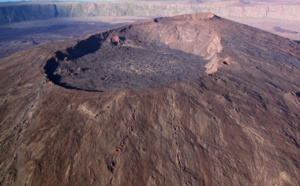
[(236, 126), (11, 13)]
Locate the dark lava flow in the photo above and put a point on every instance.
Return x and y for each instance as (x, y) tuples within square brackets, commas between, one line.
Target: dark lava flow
[(128, 64)]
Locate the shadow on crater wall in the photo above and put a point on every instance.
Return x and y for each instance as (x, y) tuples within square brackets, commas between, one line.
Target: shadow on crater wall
[(82, 48)]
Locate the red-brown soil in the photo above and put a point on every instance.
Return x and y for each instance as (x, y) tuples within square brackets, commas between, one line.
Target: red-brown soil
[(235, 124)]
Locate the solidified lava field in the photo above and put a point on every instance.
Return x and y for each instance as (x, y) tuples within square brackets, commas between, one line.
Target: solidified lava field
[(128, 65)]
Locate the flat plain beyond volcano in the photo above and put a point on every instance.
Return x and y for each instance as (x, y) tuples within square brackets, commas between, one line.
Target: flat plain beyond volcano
[(186, 100)]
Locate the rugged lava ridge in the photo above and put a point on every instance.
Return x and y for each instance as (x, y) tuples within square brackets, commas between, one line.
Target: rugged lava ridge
[(144, 55)]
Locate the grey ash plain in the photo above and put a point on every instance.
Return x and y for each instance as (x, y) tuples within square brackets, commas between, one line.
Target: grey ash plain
[(20, 36)]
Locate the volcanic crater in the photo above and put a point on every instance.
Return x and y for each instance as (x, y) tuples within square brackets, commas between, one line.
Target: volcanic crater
[(133, 57)]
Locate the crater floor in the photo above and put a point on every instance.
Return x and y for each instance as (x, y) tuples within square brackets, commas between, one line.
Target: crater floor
[(128, 65)]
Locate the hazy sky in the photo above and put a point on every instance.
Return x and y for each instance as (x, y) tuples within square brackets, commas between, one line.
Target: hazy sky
[(51, 0), (267, 1)]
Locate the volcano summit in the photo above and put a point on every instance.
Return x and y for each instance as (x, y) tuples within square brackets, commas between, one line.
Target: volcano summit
[(139, 56), (186, 100)]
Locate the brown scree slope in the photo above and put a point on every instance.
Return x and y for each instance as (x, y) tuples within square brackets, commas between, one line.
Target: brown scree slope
[(237, 123)]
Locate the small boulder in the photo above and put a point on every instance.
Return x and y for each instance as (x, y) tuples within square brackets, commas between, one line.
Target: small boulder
[(115, 39), (226, 62)]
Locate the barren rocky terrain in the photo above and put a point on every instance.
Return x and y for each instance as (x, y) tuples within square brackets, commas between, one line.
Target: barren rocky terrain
[(234, 122)]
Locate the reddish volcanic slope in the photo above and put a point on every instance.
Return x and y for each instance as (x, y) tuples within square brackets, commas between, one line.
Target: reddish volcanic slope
[(185, 100)]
